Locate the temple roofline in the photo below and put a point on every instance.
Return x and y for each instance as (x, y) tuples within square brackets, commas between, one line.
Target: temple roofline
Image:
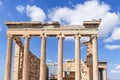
[(32, 23)]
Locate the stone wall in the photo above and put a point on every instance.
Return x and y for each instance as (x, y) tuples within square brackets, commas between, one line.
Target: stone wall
[(34, 67), (34, 64)]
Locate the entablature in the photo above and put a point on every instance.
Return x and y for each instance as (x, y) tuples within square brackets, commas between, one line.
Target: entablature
[(51, 28)]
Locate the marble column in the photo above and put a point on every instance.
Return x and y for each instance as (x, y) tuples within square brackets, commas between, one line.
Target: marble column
[(60, 57), (43, 58), (95, 57), (25, 75), (104, 74), (8, 58), (77, 58)]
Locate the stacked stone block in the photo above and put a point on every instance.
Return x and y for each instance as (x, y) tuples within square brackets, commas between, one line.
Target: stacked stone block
[(34, 67), (34, 64)]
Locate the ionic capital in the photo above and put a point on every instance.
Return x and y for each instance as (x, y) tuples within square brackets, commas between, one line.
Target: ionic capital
[(94, 36), (77, 36), (43, 35), (60, 36), (26, 36)]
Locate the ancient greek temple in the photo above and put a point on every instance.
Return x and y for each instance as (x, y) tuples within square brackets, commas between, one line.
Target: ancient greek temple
[(28, 67)]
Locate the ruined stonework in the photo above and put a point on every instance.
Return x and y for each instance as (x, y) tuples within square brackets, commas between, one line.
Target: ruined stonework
[(28, 67), (34, 64), (69, 70)]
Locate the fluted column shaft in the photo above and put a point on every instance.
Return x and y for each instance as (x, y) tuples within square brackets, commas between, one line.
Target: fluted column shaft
[(25, 75), (60, 57), (43, 59), (104, 74), (77, 58), (8, 58), (95, 57)]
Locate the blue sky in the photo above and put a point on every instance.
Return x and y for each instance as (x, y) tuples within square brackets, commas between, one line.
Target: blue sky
[(66, 12)]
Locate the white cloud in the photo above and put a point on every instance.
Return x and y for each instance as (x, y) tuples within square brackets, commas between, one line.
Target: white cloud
[(116, 70), (35, 13), (87, 11), (118, 67), (112, 47), (20, 8), (115, 36)]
